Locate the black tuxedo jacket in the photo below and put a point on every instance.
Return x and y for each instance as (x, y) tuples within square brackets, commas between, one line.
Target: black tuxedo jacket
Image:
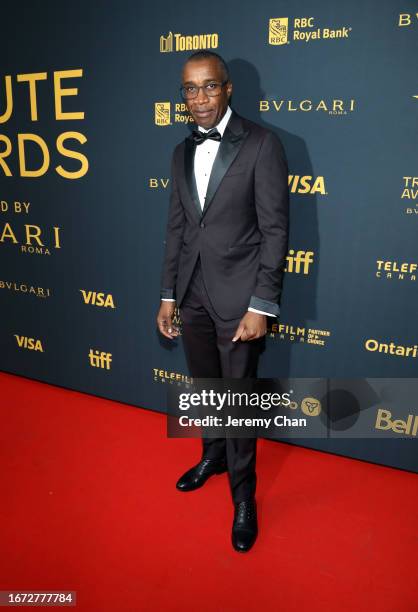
[(242, 232)]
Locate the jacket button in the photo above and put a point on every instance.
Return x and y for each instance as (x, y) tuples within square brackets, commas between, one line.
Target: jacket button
[(202, 224)]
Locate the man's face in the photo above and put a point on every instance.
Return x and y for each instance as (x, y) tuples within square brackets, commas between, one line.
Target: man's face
[(206, 110)]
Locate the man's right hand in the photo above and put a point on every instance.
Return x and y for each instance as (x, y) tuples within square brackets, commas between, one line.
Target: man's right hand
[(165, 319)]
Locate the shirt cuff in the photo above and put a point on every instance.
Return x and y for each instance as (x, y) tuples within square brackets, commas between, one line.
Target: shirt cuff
[(264, 306), (262, 312), (167, 294)]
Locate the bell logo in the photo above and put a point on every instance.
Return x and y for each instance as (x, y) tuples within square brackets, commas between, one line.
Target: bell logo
[(162, 113), (384, 422)]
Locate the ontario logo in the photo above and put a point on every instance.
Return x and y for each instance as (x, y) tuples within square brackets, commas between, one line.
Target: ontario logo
[(390, 348), (180, 42), (163, 115), (311, 406), (303, 29)]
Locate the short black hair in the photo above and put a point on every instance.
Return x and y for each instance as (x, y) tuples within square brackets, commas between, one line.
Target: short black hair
[(197, 55)]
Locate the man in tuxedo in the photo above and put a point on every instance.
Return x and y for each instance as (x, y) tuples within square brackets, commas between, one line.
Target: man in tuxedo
[(225, 250)]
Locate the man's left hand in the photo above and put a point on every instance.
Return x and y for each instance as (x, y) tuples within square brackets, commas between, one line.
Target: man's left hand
[(252, 325)]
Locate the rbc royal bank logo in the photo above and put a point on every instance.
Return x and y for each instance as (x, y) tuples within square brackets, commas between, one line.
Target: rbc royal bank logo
[(166, 113), (278, 30), (302, 29), (162, 113)]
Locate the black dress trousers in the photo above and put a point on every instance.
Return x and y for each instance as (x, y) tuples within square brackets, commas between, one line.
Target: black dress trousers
[(210, 353)]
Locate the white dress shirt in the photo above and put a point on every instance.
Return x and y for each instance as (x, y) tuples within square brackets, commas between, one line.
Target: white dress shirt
[(204, 157)]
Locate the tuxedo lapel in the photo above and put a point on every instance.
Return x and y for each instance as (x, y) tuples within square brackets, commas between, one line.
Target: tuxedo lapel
[(232, 139), (189, 150), (231, 142)]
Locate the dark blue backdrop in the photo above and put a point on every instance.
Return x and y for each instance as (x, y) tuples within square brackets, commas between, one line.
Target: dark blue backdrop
[(346, 110)]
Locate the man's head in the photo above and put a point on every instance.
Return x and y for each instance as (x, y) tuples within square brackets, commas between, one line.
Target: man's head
[(207, 70)]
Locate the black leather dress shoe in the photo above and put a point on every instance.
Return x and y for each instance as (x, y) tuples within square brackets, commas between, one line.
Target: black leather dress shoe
[(244, 527), (198, 474)]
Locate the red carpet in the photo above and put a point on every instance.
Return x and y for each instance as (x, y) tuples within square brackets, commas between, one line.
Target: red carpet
[(88, 503)]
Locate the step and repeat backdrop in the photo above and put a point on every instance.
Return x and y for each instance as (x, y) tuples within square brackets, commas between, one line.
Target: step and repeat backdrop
[(90, 113)]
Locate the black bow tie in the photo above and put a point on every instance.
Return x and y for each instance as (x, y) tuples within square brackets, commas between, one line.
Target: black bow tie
[(200, 137)]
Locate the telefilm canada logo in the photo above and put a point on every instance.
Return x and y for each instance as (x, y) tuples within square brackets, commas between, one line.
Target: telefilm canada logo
[(170, 377), (396, 270), (283, 30), (290, 332)]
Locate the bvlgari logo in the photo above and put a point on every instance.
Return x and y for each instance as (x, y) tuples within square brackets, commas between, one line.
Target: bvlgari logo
[(41, 292), (155, 182), (163, 115), (331, 106), (395, 270), (32, 240), (180, 42), (407, 19), (302, 29)]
